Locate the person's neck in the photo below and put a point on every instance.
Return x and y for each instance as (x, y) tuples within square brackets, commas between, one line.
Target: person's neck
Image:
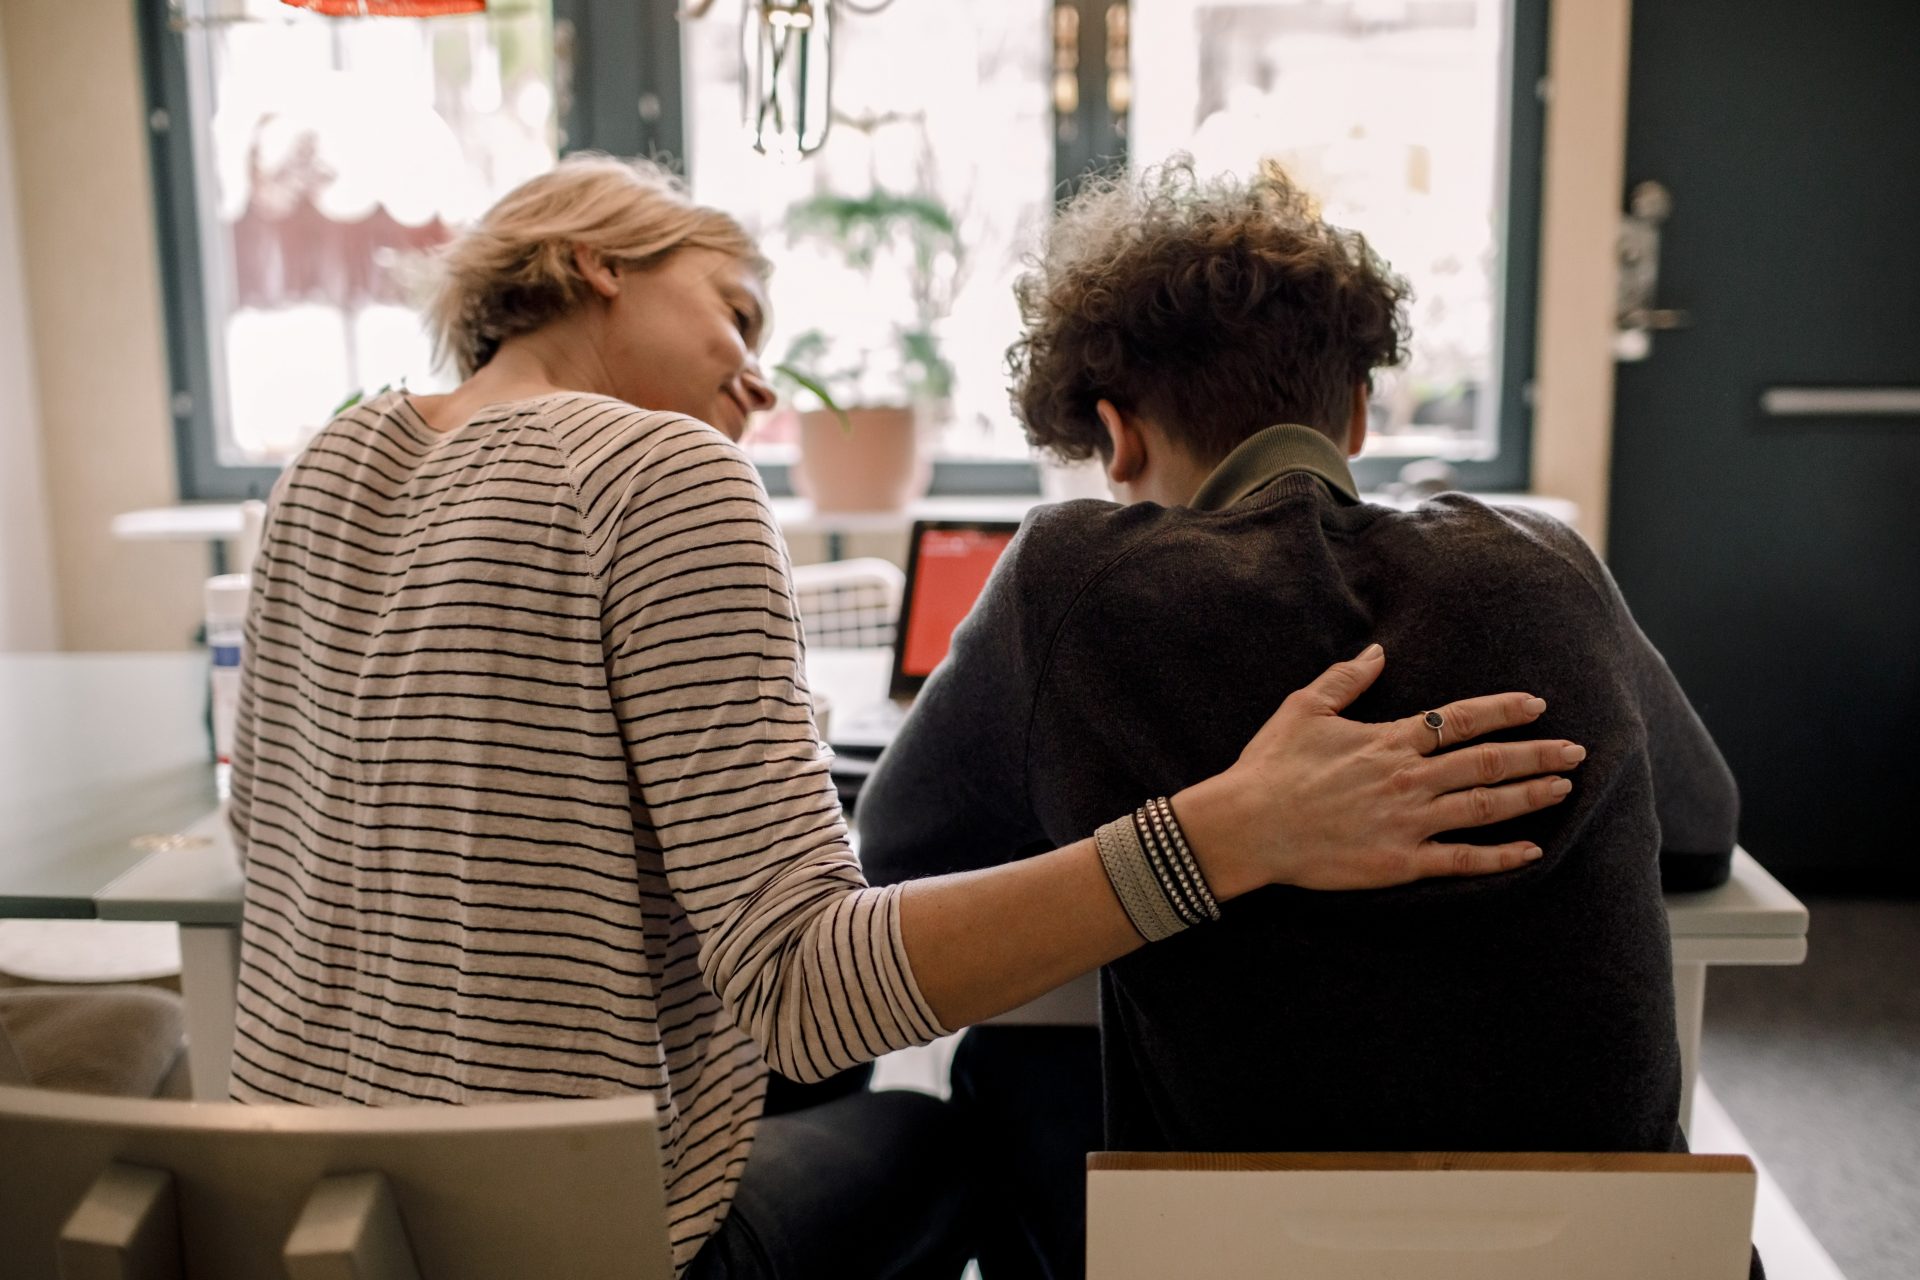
[(543, 363), (1173, 479)]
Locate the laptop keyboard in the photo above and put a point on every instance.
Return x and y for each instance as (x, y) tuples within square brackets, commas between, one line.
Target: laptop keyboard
[(869, 729)]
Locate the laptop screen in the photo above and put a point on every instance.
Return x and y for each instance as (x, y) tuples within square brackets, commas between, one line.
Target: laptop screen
[(947, 566)]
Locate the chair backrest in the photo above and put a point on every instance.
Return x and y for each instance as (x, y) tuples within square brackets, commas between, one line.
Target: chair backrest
[(122, 1040), (1463, 1216), (849, 604), (219, 1191)]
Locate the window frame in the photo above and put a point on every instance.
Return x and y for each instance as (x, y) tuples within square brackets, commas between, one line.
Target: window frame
[(1099, 145), (1522, 148), (620, 91)]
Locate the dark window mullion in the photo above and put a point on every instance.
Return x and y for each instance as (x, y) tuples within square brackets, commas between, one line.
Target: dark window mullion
[(1108, 129), (176, 200), (1093, 140), (624, 91)]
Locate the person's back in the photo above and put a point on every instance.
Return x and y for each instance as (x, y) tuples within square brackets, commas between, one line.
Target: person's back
[(1529, 1013), (1132, 647), (490, 834)]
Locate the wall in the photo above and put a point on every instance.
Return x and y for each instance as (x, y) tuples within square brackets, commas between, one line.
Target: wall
[(1580, 220), (93, 309), (27, 618)]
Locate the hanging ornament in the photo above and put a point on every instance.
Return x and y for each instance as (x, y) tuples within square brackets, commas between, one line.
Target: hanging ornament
[(786, 69), (786, 75)]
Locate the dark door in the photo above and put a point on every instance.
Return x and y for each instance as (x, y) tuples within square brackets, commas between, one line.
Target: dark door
[(1776, 559)]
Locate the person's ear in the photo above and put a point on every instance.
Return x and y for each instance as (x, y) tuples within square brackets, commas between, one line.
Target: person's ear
[(1128, 457), (601, 276), (1357, 421)]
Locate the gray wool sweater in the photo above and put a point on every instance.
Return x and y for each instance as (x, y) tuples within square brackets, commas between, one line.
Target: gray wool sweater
[(1122, 652)]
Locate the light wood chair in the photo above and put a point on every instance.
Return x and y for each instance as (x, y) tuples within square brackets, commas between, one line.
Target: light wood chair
[(92, 1188), (1419, 1216)]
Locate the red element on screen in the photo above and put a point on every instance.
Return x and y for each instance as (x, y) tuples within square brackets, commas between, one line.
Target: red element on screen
[(954, 565)]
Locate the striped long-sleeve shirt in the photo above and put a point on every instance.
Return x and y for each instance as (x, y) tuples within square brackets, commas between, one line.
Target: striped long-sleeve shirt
[(529, 791)]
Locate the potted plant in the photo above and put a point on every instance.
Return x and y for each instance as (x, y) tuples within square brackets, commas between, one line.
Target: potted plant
[(867, 389)]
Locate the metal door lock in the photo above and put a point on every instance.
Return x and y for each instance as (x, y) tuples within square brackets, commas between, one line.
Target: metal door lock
[(1636, 317)]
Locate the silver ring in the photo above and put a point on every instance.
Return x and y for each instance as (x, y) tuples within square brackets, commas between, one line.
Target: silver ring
[(1438, 723)]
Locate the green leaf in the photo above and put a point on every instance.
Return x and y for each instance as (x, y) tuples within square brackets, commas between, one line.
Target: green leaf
[(916, 231), (921, 349), (819, 390)]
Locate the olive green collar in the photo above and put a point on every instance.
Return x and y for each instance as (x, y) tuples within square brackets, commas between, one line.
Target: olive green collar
[(1268, 454)]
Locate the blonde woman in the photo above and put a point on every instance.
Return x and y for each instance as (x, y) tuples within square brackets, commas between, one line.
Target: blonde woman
[(533, 806)]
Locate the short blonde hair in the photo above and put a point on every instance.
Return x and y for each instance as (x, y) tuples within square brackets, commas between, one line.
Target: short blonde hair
[(514, 271)]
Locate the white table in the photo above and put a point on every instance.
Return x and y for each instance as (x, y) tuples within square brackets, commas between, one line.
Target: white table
[(196, 882)]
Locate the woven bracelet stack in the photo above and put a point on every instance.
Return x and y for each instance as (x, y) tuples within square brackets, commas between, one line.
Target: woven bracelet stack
[(1154, 872)]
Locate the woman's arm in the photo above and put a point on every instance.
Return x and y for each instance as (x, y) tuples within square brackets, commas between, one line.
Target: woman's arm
[(1315, 800)]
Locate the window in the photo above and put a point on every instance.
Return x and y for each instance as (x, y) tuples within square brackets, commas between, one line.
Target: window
[(302, 164), (305, 165), (1394, 114), (941, 118)]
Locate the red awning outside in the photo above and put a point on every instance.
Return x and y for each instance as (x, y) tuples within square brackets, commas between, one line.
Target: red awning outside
[(334, 189), (388, 8)]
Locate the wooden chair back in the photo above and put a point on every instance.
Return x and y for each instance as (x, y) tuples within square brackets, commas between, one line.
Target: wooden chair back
[(96, 1187), (1422, 1216)]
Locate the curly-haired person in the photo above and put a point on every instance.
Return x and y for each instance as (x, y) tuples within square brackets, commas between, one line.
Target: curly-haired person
[(1213, 344)]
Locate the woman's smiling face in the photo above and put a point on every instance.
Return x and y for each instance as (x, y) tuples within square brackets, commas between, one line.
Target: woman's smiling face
[(684, 336)]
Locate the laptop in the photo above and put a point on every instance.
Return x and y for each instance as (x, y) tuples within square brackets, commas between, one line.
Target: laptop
[(948, 563)]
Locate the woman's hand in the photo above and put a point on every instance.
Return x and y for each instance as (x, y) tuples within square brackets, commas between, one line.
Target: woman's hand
[(1323, 802)]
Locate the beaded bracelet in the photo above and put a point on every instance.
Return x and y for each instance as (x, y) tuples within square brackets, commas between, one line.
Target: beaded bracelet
[(1191, 878), (1167, 865), (1154, 873)]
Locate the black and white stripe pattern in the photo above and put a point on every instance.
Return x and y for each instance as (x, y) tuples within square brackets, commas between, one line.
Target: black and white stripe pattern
[(529, 789)]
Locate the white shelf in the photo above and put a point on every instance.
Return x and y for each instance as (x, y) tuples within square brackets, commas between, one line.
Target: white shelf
[(189, 522), (216, 521)]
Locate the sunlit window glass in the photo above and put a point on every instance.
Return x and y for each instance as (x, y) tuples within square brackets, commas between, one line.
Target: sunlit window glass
[(896, 245), (332, 155), (1389, 112)]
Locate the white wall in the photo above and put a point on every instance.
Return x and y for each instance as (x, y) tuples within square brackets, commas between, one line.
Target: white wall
[(27, 618), (74, 94)]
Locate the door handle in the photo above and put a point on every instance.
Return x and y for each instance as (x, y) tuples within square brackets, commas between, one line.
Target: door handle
[(1840, 402)]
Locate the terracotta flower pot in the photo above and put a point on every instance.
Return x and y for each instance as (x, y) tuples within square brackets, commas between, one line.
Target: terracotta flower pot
[(874, 464)]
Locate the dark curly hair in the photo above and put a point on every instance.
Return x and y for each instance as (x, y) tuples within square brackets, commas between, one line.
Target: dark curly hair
[(1214, 308)]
